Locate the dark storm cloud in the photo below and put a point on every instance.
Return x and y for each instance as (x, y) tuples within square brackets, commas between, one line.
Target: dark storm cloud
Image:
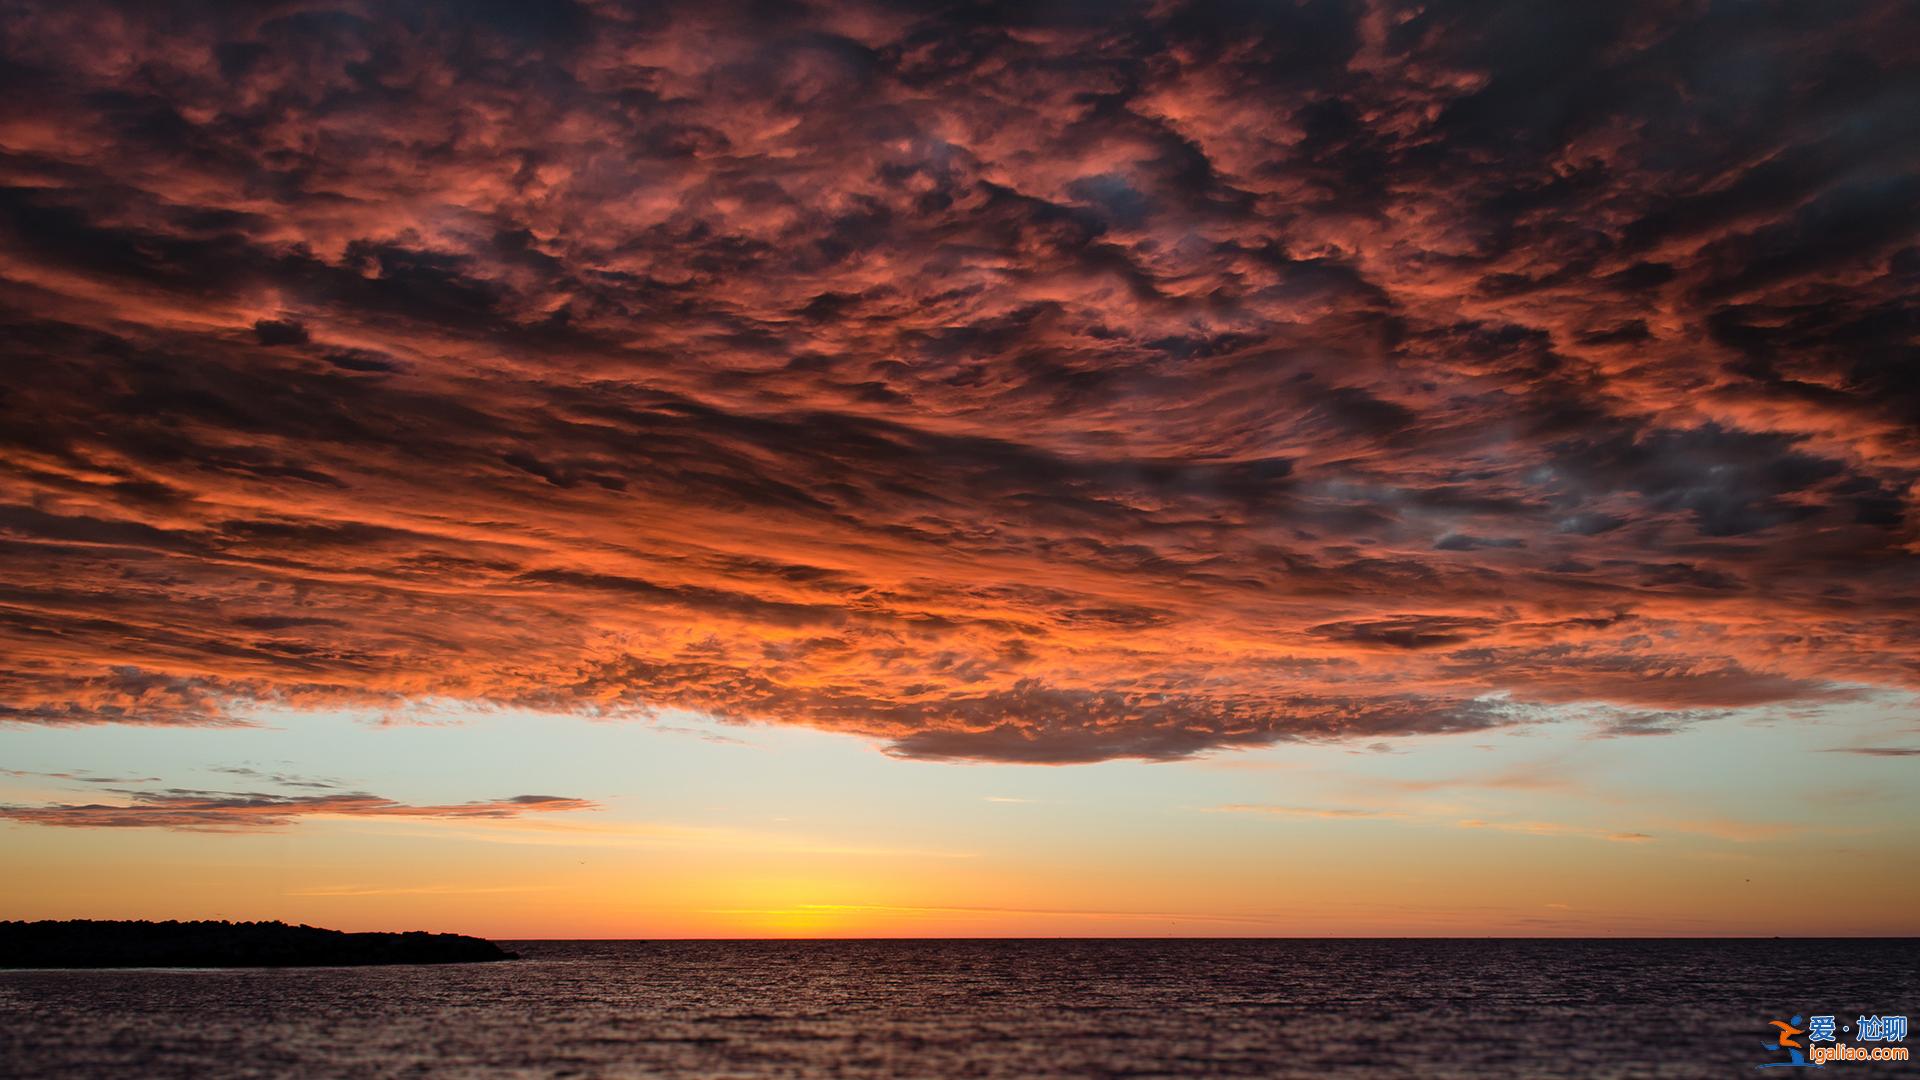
[(1033, 384), (1406, 631)]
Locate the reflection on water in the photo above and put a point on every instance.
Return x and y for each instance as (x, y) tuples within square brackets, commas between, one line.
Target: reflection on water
[(967, 1009)]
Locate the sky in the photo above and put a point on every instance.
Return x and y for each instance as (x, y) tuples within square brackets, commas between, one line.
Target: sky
[(591, 469)]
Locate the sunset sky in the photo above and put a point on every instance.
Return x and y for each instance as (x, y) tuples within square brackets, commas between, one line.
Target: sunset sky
[(711, 469)]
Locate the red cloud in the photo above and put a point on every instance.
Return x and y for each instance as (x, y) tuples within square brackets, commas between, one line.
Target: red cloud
[(1044, 393)]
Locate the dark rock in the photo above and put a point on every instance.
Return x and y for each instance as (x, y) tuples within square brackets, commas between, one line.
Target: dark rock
[(83, 943)]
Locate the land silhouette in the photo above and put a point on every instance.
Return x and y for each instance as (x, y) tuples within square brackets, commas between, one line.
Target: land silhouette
[(88, 943)]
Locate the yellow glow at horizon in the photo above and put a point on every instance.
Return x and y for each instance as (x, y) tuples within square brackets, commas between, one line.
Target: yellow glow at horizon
[(806, 835)]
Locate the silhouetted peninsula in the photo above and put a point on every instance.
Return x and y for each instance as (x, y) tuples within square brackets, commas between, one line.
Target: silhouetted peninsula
[(85, 943)]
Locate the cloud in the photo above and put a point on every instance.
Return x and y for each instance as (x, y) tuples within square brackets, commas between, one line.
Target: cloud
[(280, 778), (1555, 828), (1331, 812), (1405, 631), (416, 890), (1432, 818), (231, 811), (1033, 387), (702, 734), (82, 777), (1877, 751)]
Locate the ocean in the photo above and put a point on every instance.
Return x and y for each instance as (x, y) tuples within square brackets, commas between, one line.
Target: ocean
[(1098, 1008)]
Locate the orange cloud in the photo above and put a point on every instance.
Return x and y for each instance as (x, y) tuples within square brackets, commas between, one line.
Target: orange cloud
[(1239, 380)]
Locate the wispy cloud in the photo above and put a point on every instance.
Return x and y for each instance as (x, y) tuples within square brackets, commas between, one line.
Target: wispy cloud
[(416, 890), (1737, 830), (547, 831), (917, 910), (1534, 828), (283, 779), (703, 734), (81, 777), (1534, 776), (225, 811), (1331, 812), (1555, 828)]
